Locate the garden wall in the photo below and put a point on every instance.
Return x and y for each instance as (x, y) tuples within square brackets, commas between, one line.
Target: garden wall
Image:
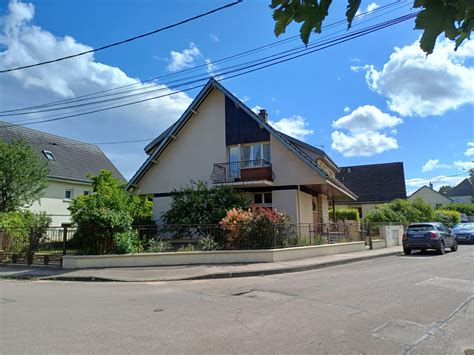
[(208, 257)]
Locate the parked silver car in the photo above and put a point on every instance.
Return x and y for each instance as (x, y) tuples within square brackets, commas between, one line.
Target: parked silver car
[(464, 232), (422, 236)]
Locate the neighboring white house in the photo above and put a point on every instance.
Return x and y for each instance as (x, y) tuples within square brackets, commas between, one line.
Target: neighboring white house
[(70, 162), (462, 192), (221, 141), (430, 196)]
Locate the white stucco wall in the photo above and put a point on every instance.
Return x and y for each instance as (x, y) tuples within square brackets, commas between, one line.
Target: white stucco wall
[(286, 201), (429, 196), (462, 199), (54, 203), (306, 208), (199, 145)]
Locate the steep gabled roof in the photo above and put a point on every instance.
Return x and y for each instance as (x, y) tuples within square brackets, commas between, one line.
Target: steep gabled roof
[(433, 190), (73, 160), (464, 188), (157, 146), (375, 183)]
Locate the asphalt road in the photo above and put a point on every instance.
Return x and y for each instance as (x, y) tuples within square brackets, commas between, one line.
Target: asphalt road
[(422, 303)]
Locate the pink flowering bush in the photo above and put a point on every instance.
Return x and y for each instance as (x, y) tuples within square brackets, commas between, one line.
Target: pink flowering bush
[(256, 227)]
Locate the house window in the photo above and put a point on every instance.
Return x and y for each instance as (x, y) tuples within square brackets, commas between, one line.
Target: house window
[(48, 155), (86, 192), (438, 205), (69, 194), (250, 152), (262, 198)]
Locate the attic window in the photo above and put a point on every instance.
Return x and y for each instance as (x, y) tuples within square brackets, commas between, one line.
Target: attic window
[(48, 155)]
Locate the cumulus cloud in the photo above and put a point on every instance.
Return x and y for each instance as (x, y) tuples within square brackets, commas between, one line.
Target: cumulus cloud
[(464, 165), (371, 7), (432, 164), (347, 109), (184, 59), (22, 43), (295, 126), (366, 135), (416, 85), (470, 150)]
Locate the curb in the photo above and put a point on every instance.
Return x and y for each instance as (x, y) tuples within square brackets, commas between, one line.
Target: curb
[(222, 275)]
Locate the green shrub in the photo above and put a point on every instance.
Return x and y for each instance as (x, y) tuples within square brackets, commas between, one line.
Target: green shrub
[(401, 211), (466, 208), (447, 217), (126, 243), (187, 248), (158, 246), (384, 214), (426, 210), (346, 214), (208, 244)]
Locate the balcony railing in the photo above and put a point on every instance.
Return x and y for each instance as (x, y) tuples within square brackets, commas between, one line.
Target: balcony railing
[(245, 170)]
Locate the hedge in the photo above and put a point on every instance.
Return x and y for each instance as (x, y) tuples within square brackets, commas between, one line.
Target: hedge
[(466, 208), (346, 214), (447, 217)]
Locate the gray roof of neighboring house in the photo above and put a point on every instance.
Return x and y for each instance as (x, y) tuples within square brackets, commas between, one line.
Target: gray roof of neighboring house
[(375, 182), (302, 150), (464, 188), (73, 160)]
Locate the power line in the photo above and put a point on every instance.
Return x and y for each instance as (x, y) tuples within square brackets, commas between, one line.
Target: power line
[(126, 40), (87, 97), (181, 82), (268, 63)]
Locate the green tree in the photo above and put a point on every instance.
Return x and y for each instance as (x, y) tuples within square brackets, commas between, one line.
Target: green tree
[(199, 204), (23, 176), (445, 189), (104, 218), (454, 18)]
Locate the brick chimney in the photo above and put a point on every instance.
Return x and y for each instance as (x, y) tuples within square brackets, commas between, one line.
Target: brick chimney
[(431, 185), (262, 113)]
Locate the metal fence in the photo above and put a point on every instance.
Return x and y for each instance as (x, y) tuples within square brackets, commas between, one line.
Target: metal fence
[(47, 246)]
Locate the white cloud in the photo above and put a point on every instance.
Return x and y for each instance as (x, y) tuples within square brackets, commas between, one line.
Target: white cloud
[(214, 37), (362, 144), (295, 126), (184, 59), (371, 7), (437, 181), (432, 164), (470, 150), (416, 85), (22, 43), (464, 165), (347, 109), (256, 108), (366, 118), (366, 136)]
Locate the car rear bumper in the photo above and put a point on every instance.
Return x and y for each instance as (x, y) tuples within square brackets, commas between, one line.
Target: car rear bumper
[(419, 244), (464, 238)]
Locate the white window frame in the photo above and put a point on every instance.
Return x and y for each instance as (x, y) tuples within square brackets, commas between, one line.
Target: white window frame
[(264, 202), (251, 150), (71, 191)]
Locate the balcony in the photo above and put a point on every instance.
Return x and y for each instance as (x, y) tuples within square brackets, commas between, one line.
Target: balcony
[(243, 172)]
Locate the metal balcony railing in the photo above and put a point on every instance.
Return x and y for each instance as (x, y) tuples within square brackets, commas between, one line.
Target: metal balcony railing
[(245, 170)]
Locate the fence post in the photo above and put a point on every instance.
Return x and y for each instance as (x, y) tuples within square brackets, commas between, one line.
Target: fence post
[(29, 256), (65, 227)]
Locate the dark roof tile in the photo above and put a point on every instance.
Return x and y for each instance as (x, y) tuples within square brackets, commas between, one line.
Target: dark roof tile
[(464, 188)]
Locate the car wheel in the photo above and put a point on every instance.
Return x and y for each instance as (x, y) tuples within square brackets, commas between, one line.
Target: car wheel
[(455, 246), (441, 249), (407, 251)]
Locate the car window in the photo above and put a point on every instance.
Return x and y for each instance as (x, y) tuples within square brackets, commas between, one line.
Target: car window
[(420, 227), (464, 226)]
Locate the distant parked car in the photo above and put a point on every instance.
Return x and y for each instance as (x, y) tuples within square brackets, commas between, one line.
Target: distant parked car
[(464, 232), (464, 218), (422, 236)]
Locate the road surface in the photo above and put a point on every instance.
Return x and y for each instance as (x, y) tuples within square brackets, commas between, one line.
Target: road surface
[(421, 304)]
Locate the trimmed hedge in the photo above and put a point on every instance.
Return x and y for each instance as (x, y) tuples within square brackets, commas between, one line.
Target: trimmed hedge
[(447, 217), (346, 214), (466, 208)]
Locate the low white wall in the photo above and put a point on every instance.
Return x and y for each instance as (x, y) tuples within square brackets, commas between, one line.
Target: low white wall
[(208, 257), (392, 235), (378, 244)]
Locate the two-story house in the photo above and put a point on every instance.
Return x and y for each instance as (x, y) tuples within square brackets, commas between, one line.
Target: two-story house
[(220, 140), (69, 161)]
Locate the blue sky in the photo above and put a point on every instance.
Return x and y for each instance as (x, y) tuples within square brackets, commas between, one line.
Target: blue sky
[(364, 101)]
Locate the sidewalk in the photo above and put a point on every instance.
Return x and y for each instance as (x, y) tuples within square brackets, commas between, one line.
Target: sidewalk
[(190, 272)]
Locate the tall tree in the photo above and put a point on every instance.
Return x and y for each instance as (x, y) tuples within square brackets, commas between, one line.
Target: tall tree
[(23, 176), (454, 18), (445, 189)]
